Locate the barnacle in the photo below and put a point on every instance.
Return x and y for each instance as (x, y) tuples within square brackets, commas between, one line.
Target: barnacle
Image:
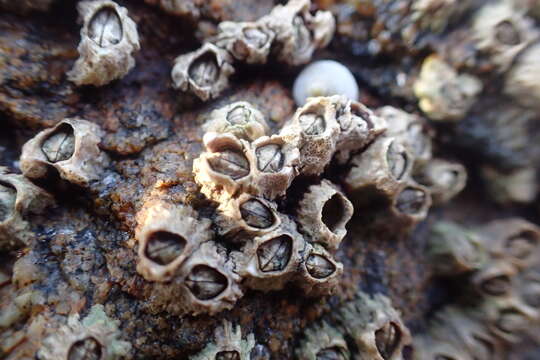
[(442, 93), (70, 147), (246, 41), (205, 72), (227, 345), (444, 179), (320, 272), (108, 40), (240, 119), (323, 213), (323, 342), (494, 278), (521, 81), (411, 203), (95, 337), (167, 235), (324, 78), (18, 199), (518, 186)]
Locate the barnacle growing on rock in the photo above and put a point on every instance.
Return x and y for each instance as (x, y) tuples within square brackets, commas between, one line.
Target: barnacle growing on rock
[(108, 40), (494, 278), (323, 342), (70, 147), (95, 337), (521, 80), (517, 186), (246, 41), (240, 118), (320, 272), (227, 345), (410, 204), (444, 179)]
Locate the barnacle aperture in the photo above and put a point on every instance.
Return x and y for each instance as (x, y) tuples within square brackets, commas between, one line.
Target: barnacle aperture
[(387, 339), (319, 267), (256, 214), (274, 254), (411, 200), (204, 70), (85, 349), (205, 282), (163, 247), (60, 144), (105, 27)]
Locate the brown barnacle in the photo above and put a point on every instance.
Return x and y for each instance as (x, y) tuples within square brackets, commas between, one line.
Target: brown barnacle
[(314, 130), (240, 118), (496, 278), (274, 161), (384, 166), (517, 186), (227, 345), (204, 72), (501, 30), (444, 179), (167, 235), (323, 342), (411, 203), (323, 213), (108, 40), (70, 147), (521, 80), (96, 337), (443, 94), (269, 261), (375, 327), (453, 250), (246, 41), (223, 169), (320, 272)]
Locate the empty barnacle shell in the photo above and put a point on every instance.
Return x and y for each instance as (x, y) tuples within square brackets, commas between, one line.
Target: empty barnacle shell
[(246, 41), (314, 131), (411, 203), (517, 186), (444, 179), (384, 166), (18, 199), (324, 78), (108, 40), (521, 81), (323, 213), (96, 337), (323, 342), (167, 235), (501, 30), (268, 261), (240, 118), (70, 147), (320, 272), (454, 250), (227, 345), (444, 94), (494, 279), (204, 72)]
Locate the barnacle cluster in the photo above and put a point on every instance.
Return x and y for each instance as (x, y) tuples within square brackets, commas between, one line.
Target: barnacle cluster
[(290, 30)]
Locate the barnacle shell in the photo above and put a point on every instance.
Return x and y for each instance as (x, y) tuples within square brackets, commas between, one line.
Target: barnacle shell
[(444, 94), (269, 261), (411, 203), (454, 250), (240, 118), (517, 186), (444, 179), (246, 41), (320, 272), (167, 234), (323, 213), (324, 78), (494, 278), (323, 342), (95, 337), (227, 344), (521, 81), (18, 198), (108, 40), (71, 147), (204, 72)]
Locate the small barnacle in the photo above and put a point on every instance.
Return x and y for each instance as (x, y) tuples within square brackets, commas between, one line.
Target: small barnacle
[(444, 179), (227, 345), (268, 261), (18, 199), (96, 337), (167, 235), (324, 78), (517, 186), (323, 342), (246, 41), (108, 40), (323, 213), (454, 250), (444, 94), (70, 147), (320, 272), (494, 279), (314, 130), (411, 203), (501, 30), (384, 166), (240, 118), (204, 72)]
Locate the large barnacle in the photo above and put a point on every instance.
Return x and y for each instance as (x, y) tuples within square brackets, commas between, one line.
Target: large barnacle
[(240, 119), (246, 41), (323, 342), (70, 147), (167, 235), (444, 179), (108, 40), (320, 272), (96, 337), (227, 345), (323, 213), (204, 72)]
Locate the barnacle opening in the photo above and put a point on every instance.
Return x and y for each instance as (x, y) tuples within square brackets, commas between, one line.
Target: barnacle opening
[(521, 245), (85, 349), (206, 283), (270, 158), (164, 247), (228, 355), (312, 121), (511, 321), (255, 36), (397, 161), (230, 162), (334, 212), (331, 353), (239, 115), (105, 27), (507, 34), (387, 339), (8, 196), (319, 267), (411, 200), (275, 254), (60, 144), (497, 285), (256, 214), (204, 70), (357, 111)]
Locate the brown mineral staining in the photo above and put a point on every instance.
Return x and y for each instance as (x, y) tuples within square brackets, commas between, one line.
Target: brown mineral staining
[(274, 254), (205, 282), (387, 339)]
